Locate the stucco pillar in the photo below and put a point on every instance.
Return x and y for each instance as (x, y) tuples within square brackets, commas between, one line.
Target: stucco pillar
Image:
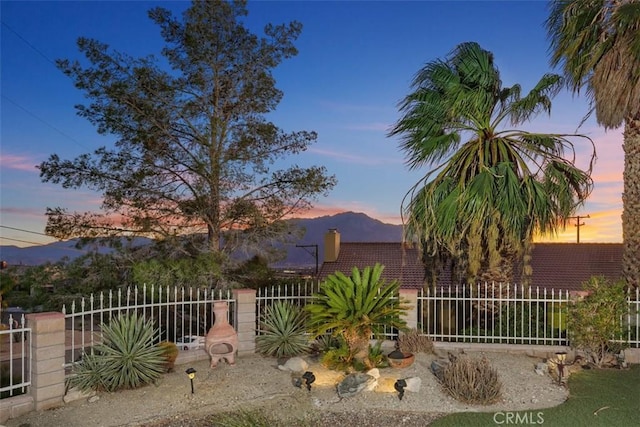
[(245, 320), (410, 297), (47, 352)]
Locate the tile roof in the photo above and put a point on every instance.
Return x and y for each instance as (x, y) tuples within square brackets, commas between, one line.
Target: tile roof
[(403, 265), (555, 265), (568, 265)]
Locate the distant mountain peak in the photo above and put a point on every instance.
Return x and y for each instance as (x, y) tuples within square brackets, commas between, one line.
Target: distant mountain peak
[(352, 226)]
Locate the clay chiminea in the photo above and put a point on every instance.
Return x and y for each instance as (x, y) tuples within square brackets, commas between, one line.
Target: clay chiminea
[(222, 340)]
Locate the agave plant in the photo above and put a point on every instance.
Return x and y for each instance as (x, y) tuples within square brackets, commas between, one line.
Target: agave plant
[(357, 308), (284, 331), (127, 357)]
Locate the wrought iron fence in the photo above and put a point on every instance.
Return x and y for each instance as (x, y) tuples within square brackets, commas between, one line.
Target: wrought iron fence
[(506, 314), (15, 365), (177, 314), (299, 294)]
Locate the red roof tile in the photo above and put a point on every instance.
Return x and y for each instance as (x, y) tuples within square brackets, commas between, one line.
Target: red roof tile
[(561, 266), (403, 265), (567, 265)]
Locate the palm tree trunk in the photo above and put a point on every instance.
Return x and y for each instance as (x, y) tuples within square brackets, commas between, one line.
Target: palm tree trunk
[(631, 202)]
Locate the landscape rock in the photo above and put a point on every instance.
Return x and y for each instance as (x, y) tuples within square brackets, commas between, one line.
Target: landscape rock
[(354, 384), (413, 384), (77, 394), (295, 364), (437, 367), (375, 373), (542, 369)]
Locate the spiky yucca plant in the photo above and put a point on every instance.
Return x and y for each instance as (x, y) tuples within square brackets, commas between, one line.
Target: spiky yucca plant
[(127, 357), (357, 307), (89, 373), (284, 331)]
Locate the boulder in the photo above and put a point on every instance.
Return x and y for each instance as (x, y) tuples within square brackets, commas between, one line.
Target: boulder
[(77, 394), (354, 384), (413, 384), (437, 367), (295, 364), (375, 373)]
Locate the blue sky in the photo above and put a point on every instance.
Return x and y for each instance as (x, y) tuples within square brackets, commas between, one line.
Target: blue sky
[(356, 61)]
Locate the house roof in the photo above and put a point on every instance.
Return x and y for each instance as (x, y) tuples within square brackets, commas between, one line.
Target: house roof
[(400, 262), (560, 266), (568, 265)]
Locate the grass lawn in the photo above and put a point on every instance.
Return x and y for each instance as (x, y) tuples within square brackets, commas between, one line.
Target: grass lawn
[(597, 398)]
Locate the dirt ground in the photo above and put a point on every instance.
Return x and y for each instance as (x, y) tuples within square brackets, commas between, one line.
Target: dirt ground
[(256, 382)]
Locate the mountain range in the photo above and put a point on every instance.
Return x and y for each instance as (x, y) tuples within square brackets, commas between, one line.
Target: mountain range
[(353, 227)]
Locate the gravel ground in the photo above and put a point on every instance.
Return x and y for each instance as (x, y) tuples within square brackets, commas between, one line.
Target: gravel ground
[(256, 383)]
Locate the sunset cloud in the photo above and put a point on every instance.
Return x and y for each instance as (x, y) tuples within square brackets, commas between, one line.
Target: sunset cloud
[(21, 163)]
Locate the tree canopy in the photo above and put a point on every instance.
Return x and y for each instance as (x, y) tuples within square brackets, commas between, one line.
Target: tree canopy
[(194, 153), (597, 44), (490, 185)]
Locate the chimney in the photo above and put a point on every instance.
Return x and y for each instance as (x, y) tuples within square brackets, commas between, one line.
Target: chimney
[(331, 245)]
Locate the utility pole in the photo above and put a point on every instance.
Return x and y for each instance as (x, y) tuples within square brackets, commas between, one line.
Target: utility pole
[(313, 254), (578, 223)]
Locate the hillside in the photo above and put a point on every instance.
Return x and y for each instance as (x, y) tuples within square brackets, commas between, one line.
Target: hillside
[(353, 227)]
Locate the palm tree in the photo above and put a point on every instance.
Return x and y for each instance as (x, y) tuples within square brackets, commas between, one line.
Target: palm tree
[(490, 186), (597, 43)]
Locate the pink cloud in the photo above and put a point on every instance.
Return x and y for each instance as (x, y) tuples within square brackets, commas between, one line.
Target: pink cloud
[(21, 163), (23, 212), (333, 209)]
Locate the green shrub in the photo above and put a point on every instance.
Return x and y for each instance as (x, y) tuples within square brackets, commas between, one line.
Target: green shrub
[(283, 331), (90, 373), (375, 357), (127, 357), (170, 353), (324, 343), (595, 321), (340, 358), (356, 307), (472, 380)]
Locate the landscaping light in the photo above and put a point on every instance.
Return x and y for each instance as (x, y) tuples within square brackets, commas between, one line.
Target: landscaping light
[(192, 374), (399, 386), (309, 378)]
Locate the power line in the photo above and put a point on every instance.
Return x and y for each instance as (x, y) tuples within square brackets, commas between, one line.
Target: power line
[(30, 45), (44, 121), (26, 231), (19, 240), (65, 248), (25, 109)]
